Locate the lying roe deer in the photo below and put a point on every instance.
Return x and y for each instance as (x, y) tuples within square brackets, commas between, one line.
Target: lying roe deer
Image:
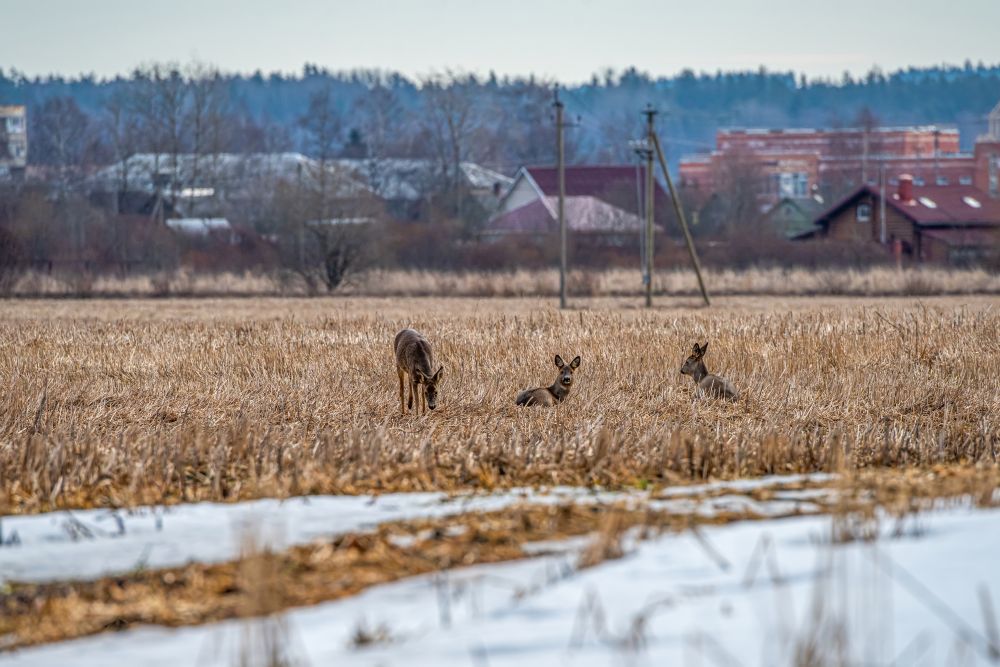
[(415, 360), (554, 393), (707, 384)]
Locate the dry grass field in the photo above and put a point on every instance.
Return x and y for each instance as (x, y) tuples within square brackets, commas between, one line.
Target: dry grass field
[(160, 401)]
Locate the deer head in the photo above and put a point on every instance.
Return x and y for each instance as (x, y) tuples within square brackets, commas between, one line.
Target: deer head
[(694, 366), (431, 386), (565, 378)]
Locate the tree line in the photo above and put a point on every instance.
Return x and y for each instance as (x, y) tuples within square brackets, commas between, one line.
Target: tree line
[(501, 122)]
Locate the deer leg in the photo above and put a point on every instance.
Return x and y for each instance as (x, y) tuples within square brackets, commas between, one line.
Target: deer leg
[(409, 400), (402, 408)]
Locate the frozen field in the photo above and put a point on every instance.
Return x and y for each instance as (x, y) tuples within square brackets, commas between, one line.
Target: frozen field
[(762, 592), (85, 544)]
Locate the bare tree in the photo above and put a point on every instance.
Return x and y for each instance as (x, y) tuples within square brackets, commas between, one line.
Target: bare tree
[(322, 252), (61, 132), (206, 118), (159, 103), (4, 143), (741, 182), (450, 119), (380, 113), (868, 123), (322, 125), (121, 130)]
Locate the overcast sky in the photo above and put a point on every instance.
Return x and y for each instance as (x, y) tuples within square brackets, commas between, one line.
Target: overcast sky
[(566, 40)]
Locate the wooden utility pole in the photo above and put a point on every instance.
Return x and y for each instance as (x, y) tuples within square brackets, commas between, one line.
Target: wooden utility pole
[(561, 170), (679, 210), (882, 236), (650, 114)]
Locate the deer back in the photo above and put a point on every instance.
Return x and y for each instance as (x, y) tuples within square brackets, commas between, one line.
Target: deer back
[(540, 396), (413, 353)]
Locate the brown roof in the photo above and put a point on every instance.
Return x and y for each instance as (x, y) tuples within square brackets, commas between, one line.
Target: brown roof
[(932, 205)]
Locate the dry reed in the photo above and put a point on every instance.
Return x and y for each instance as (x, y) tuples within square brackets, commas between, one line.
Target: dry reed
[(774, 281)]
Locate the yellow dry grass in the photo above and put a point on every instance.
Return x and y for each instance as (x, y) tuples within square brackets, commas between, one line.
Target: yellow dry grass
[(113, 403), (873, 281)]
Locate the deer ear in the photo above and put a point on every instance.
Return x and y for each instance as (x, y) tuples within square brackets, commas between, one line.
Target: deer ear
[(575, 363), (437, 376), (696, 350), (559, 362), (704, 347)]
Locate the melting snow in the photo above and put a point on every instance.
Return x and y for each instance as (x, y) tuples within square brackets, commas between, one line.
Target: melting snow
[(906, 600)]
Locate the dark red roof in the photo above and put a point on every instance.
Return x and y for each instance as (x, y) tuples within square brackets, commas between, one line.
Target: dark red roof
[(948, 205), (932, 205), (615, 184)]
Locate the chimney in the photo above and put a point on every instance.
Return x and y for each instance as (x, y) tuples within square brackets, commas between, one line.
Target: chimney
[(905, 192)]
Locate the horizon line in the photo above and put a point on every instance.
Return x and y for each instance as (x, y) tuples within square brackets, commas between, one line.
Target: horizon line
[(419, 79)]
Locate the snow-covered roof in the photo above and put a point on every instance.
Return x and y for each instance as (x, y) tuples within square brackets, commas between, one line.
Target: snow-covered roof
[(198, 226), (413, 178), (584, 213), (225, 171)]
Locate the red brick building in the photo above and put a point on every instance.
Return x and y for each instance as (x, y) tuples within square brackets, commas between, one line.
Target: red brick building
[(797, 162)]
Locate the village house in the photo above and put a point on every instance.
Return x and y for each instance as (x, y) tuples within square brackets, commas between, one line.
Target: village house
[(602, 202), (951, 224), (13, 138), (199, 187), (792, 216)]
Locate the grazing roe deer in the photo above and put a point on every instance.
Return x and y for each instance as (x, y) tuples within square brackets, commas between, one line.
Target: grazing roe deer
[(706, 383), (415, 360), (554, 393)]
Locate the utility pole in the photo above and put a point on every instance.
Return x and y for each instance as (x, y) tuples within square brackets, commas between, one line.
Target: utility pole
[(881, 206), (679, 210), (937, 153), (650, 114), (561, 170)]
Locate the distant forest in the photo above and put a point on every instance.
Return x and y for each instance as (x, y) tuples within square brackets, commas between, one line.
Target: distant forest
[(503, 122)]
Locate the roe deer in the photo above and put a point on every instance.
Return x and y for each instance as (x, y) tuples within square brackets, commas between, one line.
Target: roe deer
[(415, 360), (554, 393), (706, 383)]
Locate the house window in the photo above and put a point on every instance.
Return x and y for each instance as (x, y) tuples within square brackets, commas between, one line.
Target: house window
[(786, 186), (919, 180), (965, 180), (15, 124), (864, 213), (942, 180), (801, 184)]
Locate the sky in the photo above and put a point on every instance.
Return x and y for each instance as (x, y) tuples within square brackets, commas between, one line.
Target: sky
[(566, 41)]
